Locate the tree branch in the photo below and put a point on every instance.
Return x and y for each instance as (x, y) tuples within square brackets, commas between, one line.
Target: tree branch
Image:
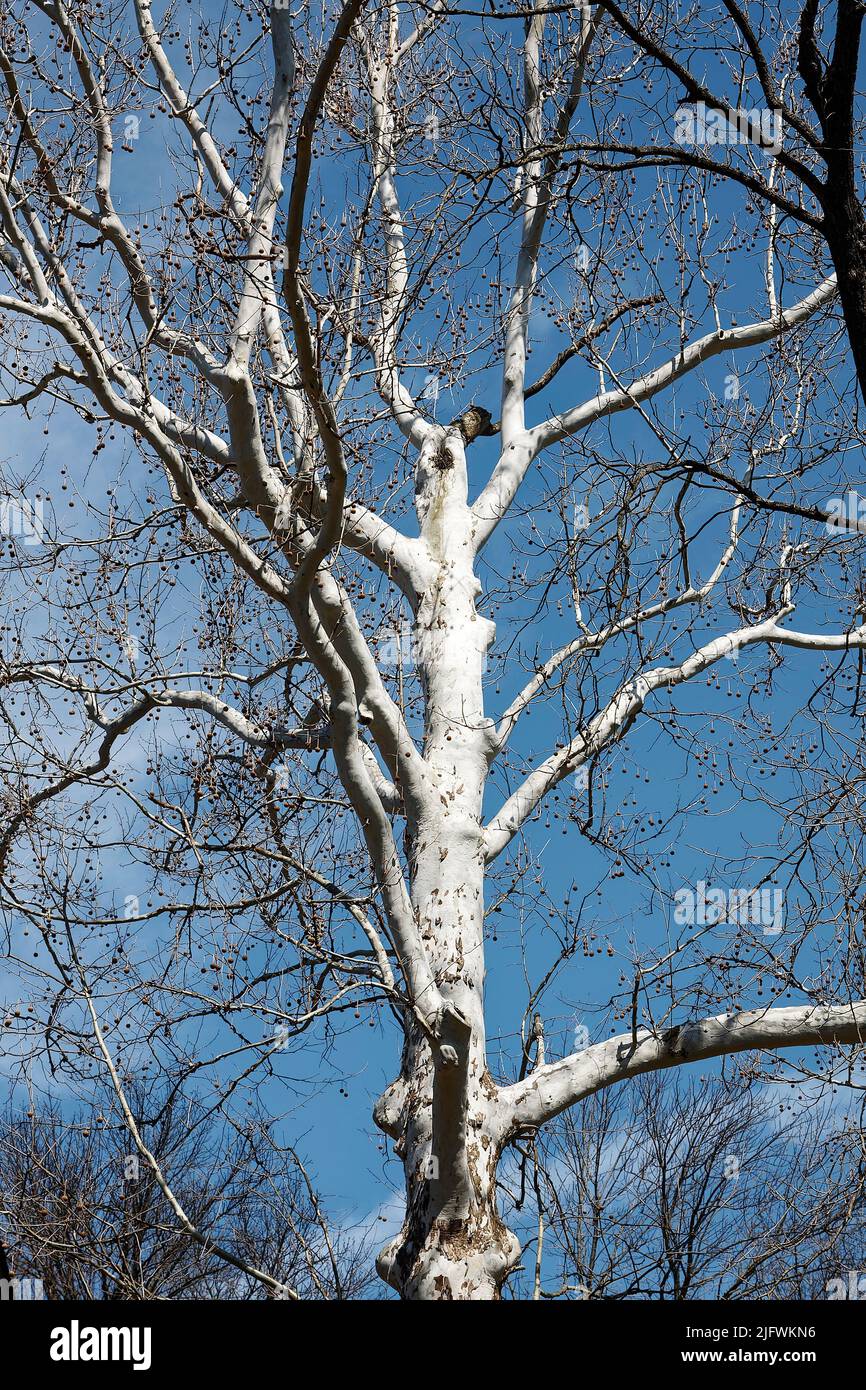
[(550, 1089)]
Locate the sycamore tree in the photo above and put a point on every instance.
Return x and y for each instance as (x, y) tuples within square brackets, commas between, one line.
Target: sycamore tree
[(428, 553)]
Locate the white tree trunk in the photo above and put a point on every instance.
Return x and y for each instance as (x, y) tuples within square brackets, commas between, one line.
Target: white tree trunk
[(444, 1109)]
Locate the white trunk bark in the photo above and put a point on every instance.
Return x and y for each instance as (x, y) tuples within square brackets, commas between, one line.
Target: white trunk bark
[(443, 1110)]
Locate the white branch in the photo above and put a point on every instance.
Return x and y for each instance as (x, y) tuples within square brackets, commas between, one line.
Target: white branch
[(611, 723), (594, 641), (383, 343), (519, 452), (552, 1088)]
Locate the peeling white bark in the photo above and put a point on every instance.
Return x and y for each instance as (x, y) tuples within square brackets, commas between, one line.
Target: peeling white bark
[(453, 1244)]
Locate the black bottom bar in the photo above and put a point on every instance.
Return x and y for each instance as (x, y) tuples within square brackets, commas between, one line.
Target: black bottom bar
[(86, 1341)]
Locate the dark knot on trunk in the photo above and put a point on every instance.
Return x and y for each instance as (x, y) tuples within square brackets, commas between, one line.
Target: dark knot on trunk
[(473, 422)]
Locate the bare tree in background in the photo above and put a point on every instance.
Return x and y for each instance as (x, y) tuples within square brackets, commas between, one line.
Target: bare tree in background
[(87, 1219), (292, 707), (709, 1190)]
